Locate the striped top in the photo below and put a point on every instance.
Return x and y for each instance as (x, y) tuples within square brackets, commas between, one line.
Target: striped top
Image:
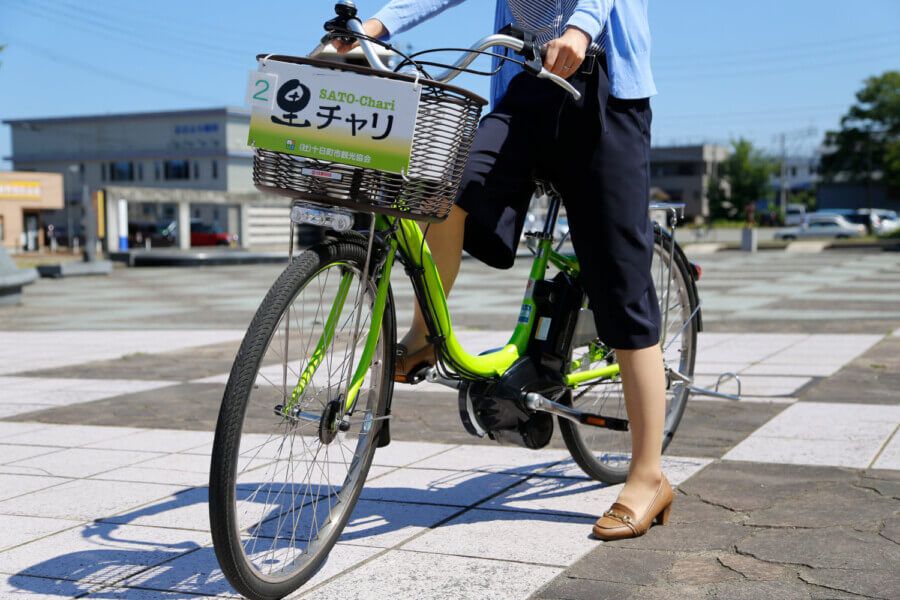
[(549, 20)]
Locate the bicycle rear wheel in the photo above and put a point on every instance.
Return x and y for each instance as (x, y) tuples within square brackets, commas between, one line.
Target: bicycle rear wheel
[(604, 454), (286, 472)]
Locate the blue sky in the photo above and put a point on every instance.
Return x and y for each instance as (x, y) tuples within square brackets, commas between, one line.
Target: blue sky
[(724, 68)]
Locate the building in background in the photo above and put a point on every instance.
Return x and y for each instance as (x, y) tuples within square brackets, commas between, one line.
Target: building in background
[(185, 177), (683, 173), (26, 201)]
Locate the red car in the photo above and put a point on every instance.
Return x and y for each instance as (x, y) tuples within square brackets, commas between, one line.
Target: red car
[(209, 235)]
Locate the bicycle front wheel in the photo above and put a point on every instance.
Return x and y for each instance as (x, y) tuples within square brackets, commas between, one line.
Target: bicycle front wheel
[(604, 454), (287, 469)]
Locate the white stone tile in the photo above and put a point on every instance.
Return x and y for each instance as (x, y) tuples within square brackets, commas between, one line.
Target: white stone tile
[(10, 410), (757, 385), (890, 454), (676, 468), (773, 367), (746, 398), (399, 453), (494, 459), (551, 539), (11, 453), (87, 499), (857, 454), (99, 553), (431, 486), (576, 496), (32, 350), (401, 574), (116, 593), (12, 485), (157, 440), (82, 462), (8, 430), (20, 530), (567, 496), (199, 573), (69, 436), (23, 587), (832, 421)]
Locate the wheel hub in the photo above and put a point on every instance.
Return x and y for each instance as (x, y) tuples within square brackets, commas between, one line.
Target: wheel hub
[(329, 424)]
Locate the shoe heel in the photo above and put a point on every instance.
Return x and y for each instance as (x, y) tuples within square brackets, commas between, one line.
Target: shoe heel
[(663, 517)]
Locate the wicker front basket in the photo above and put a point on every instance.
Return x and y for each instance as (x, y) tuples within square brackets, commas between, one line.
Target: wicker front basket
[(445, 128)]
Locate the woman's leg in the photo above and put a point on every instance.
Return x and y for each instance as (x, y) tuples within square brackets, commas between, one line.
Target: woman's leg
[(644, 384), (445, 240)]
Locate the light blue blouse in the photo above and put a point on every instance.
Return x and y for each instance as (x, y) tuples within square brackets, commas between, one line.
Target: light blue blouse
[(621, 27)]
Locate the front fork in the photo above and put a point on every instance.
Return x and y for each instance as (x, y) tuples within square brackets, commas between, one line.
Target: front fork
[(325, 340)]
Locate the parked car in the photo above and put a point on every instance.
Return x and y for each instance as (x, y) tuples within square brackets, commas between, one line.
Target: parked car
[(881, 221), (794, 215), (203, 234), (822, 225)]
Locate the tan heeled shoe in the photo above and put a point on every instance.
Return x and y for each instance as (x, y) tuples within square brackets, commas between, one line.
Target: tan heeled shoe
[(620, 522), (410, 367)]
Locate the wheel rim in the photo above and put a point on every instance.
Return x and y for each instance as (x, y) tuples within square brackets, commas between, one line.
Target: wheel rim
[(296, 486), (611, 450)]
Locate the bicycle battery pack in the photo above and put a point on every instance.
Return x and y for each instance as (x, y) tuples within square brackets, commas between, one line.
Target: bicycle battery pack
[(558, 302)]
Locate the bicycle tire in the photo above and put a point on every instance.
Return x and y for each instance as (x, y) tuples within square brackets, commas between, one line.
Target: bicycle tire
[(574, 434), (245, 372)]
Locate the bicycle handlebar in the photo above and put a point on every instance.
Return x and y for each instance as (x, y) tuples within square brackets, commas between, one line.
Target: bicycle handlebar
[(497, 39)]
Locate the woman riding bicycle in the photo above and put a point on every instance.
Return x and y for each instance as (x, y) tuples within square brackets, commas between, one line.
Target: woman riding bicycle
[(596, 152)]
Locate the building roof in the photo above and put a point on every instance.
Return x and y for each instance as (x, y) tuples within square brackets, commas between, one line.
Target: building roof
[(191, 112)]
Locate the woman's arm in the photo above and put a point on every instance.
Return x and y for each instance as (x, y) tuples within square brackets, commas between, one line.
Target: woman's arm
[(564, 55), (399, 16)]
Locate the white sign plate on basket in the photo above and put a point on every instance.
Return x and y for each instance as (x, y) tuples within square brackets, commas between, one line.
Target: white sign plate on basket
[(334, 116)]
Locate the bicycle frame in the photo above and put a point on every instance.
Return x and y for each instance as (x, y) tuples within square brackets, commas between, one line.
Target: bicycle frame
[(407, 239)]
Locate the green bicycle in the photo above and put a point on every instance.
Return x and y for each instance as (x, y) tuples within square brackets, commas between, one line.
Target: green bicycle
[(308, 400)]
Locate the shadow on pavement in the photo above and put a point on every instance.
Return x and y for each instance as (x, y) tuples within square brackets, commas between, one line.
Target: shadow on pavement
[(133, 556)]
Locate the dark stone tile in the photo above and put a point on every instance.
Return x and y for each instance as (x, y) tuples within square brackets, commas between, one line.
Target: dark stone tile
[(872, 584), (759, 590), (873, 378), (753, 569), (700, 570), (886, 483), (186, 406), (712, 428), (827, 505), (689, 537), (182, 365), (832, 548), (754, 486), (621, 565), (569, 588)]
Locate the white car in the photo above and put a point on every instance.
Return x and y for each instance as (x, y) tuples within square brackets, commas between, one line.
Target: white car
[(883, 221), (794, 215), (819, 225)]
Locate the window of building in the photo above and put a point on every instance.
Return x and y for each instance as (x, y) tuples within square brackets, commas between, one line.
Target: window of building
[(103, 172), (140, 171), (121, 171), (177, 169), (157, 170), (81, 171), (215, 169), (196, 170)]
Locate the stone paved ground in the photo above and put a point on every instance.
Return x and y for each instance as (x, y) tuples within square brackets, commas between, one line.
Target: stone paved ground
[(109, 389)]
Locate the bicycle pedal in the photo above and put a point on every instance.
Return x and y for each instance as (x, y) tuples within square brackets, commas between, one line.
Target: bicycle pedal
[(604, 422)]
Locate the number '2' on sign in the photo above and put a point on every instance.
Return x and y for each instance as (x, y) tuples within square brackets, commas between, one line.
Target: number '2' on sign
[(262, 89)]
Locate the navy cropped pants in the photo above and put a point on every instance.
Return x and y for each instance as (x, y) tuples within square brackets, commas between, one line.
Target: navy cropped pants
[(596, 151)]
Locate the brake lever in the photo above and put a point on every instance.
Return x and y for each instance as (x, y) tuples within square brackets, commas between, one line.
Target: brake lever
[(531, 51)]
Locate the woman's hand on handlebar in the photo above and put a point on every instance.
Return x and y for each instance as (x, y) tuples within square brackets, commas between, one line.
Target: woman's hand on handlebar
[(373, 28), (564, 55)]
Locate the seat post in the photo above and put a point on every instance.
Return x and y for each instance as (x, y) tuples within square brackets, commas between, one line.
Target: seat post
[(552, 208)]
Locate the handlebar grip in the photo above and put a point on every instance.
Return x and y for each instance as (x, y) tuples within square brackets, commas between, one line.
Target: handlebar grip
[(545, 74)]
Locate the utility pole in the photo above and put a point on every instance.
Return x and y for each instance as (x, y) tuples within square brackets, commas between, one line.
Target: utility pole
[(783, 192)]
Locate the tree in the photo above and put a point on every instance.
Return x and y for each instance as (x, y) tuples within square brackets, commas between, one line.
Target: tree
[(745, 175), (868, 143)]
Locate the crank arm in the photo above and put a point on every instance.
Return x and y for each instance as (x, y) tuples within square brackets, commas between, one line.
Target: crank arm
[(537, 402), (432, 376)]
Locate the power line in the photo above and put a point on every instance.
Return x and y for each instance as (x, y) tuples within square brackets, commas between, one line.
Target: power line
[(111, 75), (779, 51)]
